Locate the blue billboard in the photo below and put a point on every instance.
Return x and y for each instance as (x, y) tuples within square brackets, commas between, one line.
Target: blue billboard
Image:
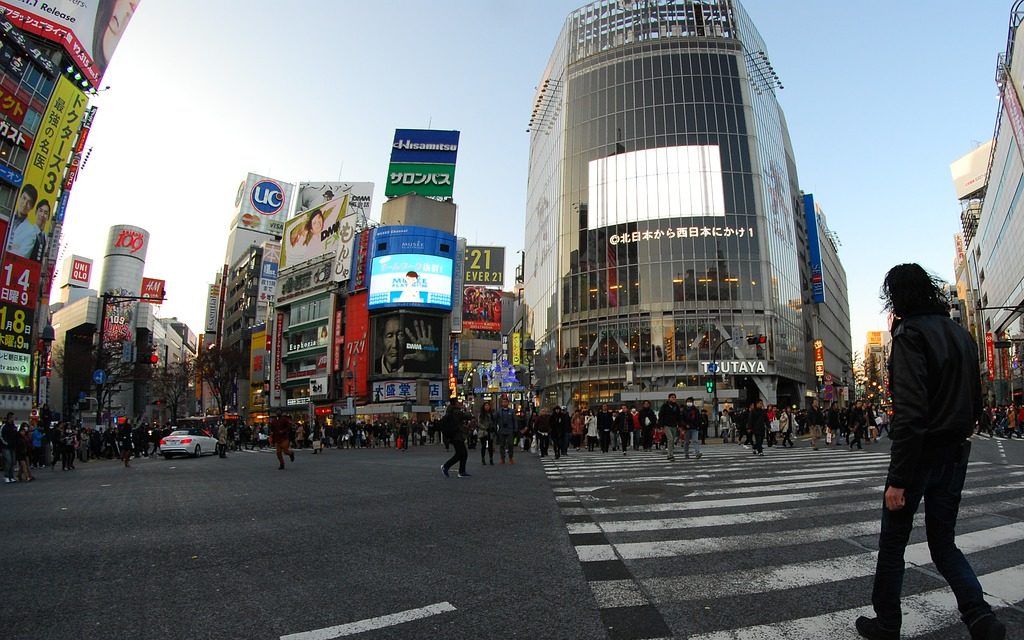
[(411, 267), (814, 253), (425, 146)]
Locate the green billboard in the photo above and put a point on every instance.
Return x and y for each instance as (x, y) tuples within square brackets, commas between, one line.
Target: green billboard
[(434, 180)]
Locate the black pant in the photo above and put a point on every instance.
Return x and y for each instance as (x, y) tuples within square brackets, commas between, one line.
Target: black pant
[(460, 456), (67, 458), (543, 439), (624, 439), (856, 438), (486, 447), (759, 440), (222, 450), (787, 437), (591, 442), (606, 440)]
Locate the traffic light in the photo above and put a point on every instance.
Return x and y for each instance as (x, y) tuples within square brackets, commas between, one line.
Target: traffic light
[(709, 384), (758, 339), (154, 359)]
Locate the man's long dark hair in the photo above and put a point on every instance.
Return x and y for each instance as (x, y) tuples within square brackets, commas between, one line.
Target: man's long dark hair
[(910, 290)]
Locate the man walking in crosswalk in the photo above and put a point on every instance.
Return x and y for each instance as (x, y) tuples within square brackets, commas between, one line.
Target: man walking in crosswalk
[(669, 417), (936, 392)]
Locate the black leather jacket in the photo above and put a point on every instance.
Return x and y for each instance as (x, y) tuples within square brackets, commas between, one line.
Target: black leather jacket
[(936, 392)]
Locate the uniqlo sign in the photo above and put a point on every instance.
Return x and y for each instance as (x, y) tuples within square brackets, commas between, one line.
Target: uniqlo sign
[(81, 270)]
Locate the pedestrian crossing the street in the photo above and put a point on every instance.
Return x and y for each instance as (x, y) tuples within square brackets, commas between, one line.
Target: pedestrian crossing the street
[(736, 546)]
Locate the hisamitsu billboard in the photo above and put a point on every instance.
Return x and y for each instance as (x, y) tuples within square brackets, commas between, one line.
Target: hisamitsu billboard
[(426, 146)]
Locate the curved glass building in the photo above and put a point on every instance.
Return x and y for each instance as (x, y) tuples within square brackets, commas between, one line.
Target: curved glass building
[(663, 217)]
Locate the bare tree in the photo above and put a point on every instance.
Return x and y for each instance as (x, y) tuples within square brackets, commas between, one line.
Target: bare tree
[(174, 385), (220, 368)]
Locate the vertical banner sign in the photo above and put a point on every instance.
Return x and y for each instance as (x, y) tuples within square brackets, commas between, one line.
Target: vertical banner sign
[(357, 351), (814, 243), (517, 348), (47, 160), (458, 284), (455, 353), (819, 358), (278, 346), (990, 356), (339, 339), (1004, 357)]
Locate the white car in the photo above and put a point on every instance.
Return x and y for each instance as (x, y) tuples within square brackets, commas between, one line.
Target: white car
[(188, 442)]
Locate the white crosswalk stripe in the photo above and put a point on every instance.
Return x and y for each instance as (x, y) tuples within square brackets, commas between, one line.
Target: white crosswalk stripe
[(689, 535)]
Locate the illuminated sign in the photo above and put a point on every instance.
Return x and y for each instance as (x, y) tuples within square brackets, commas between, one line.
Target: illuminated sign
[(412, 280), (654, 184)]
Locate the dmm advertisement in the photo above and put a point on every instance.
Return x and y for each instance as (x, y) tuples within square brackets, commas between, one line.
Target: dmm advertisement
[(408, 343)]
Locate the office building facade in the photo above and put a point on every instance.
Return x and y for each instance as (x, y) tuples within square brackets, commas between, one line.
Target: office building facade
[(662, 210)]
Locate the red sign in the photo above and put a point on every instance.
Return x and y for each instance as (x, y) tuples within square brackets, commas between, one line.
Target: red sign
[(13, 135), (322, 411), (12, 106), (19, 281), (153, 289), (357, 343), (338, 340), (81, 272), (990, 356), (131, 240)]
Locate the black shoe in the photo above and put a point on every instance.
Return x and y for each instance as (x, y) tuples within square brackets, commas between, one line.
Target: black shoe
[(281, 468), (870, 628), (988, 627), (464, 475), (291, 455), (444, 470)]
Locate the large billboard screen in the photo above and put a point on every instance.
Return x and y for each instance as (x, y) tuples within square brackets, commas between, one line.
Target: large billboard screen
[(314, 194), (481, 309), (654, 184), (407, 343), (262, 204), (411, 280), (88, 30), (485, 265)]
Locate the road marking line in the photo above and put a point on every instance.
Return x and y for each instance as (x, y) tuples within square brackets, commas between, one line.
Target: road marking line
[(371, 624), (815, 572), (923, 613), (680, 547)]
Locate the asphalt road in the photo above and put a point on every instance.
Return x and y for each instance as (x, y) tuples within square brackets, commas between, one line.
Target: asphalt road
[(234, 548), (591, 546)]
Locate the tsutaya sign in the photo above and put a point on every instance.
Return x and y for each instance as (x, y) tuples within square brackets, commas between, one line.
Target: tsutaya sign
[(736, 366)]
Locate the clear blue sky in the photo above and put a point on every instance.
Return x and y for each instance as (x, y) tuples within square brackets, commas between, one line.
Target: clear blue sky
[(879, 97)]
